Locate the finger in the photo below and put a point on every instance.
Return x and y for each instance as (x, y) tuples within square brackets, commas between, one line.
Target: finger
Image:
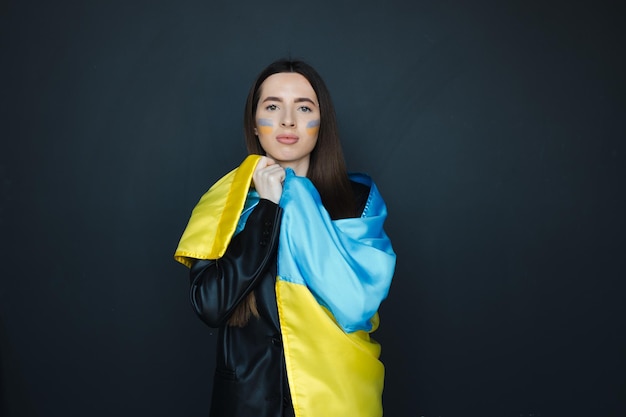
[(276, 171), (268, 161)]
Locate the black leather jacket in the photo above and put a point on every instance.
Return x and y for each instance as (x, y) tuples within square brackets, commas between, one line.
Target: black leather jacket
[(250, 378)]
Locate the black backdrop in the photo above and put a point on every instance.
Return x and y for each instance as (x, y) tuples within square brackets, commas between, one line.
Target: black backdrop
[(495, 131)]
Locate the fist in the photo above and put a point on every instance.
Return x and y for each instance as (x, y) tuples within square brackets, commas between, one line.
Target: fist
[(268, 179)]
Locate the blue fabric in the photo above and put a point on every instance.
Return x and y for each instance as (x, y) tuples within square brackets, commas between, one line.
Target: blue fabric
[(347, 264), (357, 260), (251, 201)]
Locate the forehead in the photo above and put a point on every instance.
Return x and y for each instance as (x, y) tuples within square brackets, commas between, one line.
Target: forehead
[(287, 84)]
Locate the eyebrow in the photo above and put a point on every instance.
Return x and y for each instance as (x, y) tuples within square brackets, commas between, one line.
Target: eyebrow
[(298, 100)]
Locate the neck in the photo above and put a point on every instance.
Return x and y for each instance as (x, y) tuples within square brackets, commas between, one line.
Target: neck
[(300, 167)]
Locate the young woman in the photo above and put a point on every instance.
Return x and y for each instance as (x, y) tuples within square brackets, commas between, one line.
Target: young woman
[(290, 261)]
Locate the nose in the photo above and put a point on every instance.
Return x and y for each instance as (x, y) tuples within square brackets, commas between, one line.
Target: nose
[(288, 120)]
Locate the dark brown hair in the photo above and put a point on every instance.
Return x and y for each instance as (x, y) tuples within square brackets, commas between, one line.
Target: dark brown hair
[(327, 167)]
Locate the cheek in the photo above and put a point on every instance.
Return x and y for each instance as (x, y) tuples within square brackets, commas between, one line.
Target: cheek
[(265, 130), (264, 126), (313, 127)]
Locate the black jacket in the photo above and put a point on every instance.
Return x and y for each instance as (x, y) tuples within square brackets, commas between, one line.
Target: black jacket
[(250, 378)]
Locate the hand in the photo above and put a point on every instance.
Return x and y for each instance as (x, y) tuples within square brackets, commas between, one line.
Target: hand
[(268, 179)]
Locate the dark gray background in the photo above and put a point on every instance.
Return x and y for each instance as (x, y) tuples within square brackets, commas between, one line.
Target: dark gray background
[(495, 131)]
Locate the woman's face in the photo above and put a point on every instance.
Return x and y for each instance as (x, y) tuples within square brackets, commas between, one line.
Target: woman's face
[(287, 120)]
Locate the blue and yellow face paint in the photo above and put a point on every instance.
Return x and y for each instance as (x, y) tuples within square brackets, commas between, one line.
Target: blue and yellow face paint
[(264, 126), (313, 127)]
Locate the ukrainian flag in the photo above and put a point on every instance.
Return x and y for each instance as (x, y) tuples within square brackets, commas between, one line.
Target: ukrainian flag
[(332, 277)]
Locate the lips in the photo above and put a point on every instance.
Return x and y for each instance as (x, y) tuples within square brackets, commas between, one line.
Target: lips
[(287, 139)]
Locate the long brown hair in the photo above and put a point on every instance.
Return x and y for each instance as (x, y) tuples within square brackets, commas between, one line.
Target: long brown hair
[(327, 167)]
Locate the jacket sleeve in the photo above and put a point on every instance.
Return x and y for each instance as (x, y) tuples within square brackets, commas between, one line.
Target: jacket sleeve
[(218, 286)]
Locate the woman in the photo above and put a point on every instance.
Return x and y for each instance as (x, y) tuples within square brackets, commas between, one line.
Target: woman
[(290, 261)]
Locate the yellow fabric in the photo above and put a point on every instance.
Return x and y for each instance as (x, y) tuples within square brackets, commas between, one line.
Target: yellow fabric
[(331, 373), (214, 219)]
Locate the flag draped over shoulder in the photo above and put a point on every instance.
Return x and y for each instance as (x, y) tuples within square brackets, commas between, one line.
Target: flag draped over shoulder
[(214, 219), (332, 277)]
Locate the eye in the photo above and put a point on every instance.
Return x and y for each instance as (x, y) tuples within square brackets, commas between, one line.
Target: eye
[(305, 109), (271, 107)]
